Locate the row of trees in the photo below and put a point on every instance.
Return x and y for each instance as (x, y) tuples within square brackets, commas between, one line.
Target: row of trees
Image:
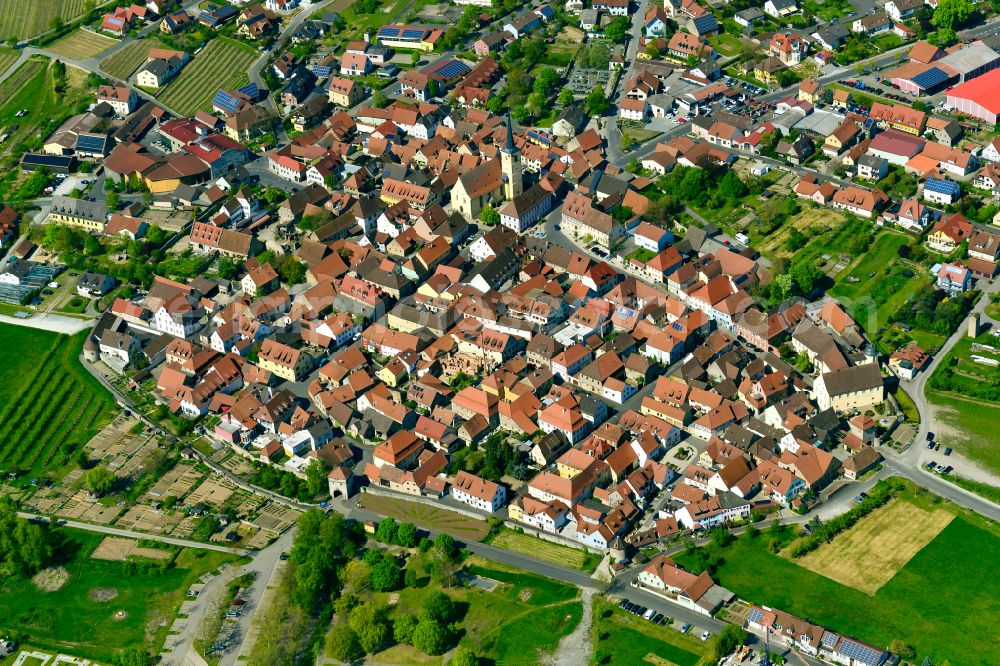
[(823, 532)]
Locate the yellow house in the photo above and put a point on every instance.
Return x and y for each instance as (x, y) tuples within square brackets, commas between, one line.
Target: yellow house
[(409, 37), (344, 92), (767, 70), (89, 215), (392, 373), (283, 361), (810, 91)]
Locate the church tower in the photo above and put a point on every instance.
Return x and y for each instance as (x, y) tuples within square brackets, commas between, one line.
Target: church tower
[(510, 166)]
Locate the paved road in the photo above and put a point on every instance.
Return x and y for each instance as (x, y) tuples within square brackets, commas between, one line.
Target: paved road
[(130, 534), (50, 322), (612, 133)]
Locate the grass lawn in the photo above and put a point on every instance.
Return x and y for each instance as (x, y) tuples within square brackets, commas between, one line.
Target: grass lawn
[(971, 427), (640, 254), (929, 603), (628, 640), (970, 377), (223, 64), (69, 619), (726, 44), (816, 223), (24, 20), (887, 42), (830, 10), (51, 406), (123, 63), (525, 637), (521, 618), (518, 621), (428, 517), (993, 309), (81, 44), (876, 284), (639, 135), (868, 555), (906, 404), (545, 550)]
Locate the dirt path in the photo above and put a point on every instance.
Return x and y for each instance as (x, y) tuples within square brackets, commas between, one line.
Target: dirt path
[(575, 648)]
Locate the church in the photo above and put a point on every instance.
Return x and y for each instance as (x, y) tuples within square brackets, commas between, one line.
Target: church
[(493, 181)]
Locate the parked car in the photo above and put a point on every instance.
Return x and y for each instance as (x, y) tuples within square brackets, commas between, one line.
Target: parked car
[(686, 628), (947, 451), (947, 470), (648, 615), (930, 437), (931, 465), (705, 635)]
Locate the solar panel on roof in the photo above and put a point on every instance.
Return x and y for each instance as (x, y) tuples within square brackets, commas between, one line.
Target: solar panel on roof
[(250, 90), (413, 34), (862, 653), (755, 615), (85, 142), (388, 32), (931, 78), (225, 101), (829, 638)]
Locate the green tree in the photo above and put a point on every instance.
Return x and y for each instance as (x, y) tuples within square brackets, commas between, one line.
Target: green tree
[(379, 99), (386, 576), (100, 480), (617, 29), (290, 269), (368, 622), (25, 547), (316, 474), (731, 186), (386, 530), (403, 627), (437, 606), (342, 644), (565, 97), (112, 200), (357, 576), (465, 657), (952, 14), (406, 535), (902, 649), (597, 103), (489, 216), (805, 275), (430, 637), (729, 640), (546, 81)]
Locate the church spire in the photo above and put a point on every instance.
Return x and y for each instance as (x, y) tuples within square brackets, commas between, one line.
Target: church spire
[(509, 144)]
